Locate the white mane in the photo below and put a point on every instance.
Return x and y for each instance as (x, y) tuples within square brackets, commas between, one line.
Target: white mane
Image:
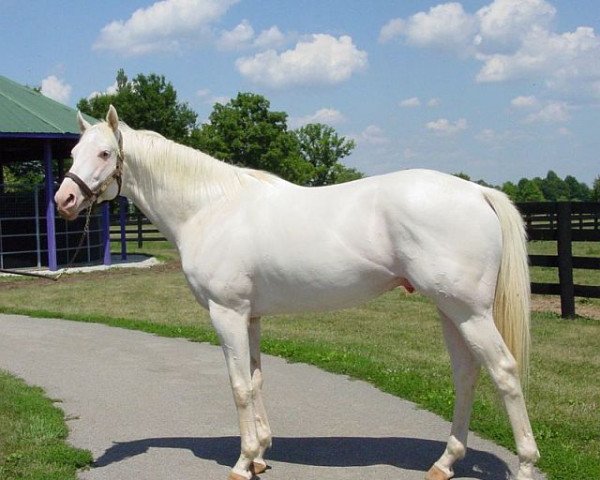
[(158, 164)]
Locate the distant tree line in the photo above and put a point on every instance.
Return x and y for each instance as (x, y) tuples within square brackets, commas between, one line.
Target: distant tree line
[(551, 188)]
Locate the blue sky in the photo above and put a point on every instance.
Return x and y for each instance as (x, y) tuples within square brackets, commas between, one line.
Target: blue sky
[(498, 89)]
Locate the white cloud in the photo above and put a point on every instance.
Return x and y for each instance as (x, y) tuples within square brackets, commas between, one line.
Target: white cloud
[(209, 99), (445, 26), (271, 38), (434, 102), (553, 112), (237, 38), (491, 136), (372, 135), (111, 89), (412, 102), (506, 22), (56, 89), (443, 126), (243, 37), (524, 101), (161, 26), (319, 60), (558, 59), (394, 28), (512, 39), (328, 116)]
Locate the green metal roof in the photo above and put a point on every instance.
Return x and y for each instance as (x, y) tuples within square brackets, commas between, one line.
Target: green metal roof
[(25, 111)]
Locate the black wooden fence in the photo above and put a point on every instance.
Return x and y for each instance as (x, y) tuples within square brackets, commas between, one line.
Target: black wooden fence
[(564, 223), (561, 222), (137, 229)]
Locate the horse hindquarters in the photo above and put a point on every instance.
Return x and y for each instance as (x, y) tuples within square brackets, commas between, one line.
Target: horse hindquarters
[(475, 318)]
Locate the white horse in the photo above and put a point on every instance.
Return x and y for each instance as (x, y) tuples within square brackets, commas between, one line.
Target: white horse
[(252, 244)]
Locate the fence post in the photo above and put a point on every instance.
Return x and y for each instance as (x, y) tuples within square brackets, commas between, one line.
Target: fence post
[(565, 260), (139, 230)]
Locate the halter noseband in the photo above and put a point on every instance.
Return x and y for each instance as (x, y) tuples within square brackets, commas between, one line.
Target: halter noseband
[(92, 195)]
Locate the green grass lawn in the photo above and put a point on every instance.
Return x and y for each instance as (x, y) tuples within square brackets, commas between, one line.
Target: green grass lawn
[(395, 342), (32, 436)]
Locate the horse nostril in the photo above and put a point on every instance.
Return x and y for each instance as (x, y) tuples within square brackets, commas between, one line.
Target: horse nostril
[(70, 200)]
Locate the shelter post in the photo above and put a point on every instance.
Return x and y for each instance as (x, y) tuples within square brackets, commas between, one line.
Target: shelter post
[(50, 218), (106, 232), (123, 208)]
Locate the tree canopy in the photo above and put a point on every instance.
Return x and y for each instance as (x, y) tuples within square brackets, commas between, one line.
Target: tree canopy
[(323, 148), (246, 132), (551, 188), (146, 102)]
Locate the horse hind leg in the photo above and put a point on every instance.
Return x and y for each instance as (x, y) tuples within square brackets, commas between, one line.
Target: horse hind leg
[(487, 346), (263, 428), (465, 369)]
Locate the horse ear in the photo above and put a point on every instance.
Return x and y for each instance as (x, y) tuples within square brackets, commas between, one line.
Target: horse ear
[(112, 118), (83, 123)]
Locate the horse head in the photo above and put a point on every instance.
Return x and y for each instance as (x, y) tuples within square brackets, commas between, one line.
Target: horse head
[(95, 175)]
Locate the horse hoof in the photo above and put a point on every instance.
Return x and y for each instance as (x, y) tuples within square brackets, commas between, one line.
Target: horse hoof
[(258, 468), (435, 473), (235, 476)]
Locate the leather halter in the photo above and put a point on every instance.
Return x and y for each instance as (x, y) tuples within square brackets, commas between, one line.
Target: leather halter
[(92, 195)]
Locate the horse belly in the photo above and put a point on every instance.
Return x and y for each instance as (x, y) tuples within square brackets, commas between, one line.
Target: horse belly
[(308, 290)]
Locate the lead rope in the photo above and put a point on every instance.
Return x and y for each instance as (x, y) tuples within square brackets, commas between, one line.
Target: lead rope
[(54, 276), (85, 233)]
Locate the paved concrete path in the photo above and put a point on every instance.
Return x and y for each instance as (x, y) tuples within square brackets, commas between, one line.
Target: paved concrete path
[(153, 408)]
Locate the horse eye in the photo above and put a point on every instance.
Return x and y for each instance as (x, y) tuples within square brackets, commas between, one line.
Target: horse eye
[(105, 154)]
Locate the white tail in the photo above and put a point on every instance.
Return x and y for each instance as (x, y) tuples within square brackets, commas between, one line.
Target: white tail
[(511, 304)]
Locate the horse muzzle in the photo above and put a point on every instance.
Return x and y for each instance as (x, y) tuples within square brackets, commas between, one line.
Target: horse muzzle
[(68, 201)]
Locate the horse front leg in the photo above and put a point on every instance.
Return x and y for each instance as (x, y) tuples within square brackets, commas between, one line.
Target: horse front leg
[(232, 327), (263, 429)]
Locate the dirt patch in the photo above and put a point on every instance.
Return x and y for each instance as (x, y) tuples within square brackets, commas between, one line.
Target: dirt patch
[(102, 276), (551, 303)]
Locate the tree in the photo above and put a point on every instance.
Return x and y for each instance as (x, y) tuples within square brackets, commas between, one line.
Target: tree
[(147, 102), (511, 190), (321, 146), (529, 191), (463, 175), (246, 132), (554, 188), (595, 193), (577, 190)]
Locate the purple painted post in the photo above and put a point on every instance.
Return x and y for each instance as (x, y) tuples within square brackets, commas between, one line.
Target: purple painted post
[(106, 232), (123, 206), (50, 218)]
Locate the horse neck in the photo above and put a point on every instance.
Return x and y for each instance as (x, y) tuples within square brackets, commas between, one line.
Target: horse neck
[(171, 183)]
